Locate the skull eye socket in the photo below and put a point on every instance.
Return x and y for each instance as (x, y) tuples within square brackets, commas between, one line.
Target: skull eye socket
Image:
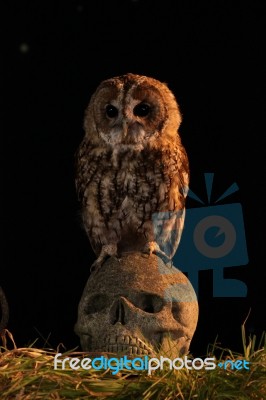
[(96, 304), (149, 303)]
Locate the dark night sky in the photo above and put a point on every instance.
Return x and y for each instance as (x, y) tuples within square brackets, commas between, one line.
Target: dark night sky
[(211, 56)]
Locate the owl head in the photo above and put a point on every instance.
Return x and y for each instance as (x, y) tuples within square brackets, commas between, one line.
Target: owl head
[(132, 111)]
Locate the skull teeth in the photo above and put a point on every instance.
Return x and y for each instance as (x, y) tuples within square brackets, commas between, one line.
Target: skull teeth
[(128, 344), (116, 348)]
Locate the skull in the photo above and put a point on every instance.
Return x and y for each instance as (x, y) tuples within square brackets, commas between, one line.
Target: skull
[(137, 305)]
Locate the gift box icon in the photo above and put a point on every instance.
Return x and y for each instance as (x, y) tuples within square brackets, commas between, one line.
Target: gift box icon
[(213, 238)]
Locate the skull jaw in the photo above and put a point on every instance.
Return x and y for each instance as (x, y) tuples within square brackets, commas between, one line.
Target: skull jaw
[(118, 340), (130, 344), (174, 348)]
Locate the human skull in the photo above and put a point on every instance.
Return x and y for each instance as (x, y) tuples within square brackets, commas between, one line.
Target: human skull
[(137, 305)]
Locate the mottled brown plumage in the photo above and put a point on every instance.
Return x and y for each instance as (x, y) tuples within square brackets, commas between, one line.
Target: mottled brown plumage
[(132, 169)]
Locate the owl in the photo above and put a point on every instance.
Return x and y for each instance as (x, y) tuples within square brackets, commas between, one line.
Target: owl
[(132, 170)]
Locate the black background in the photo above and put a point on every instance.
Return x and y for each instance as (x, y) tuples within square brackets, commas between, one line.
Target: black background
[(211, 55)]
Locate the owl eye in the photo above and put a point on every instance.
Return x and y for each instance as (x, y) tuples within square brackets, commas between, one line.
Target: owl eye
[(141, 110), (111, 111)]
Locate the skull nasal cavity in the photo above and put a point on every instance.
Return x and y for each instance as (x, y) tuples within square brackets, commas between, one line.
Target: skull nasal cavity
[(118, 313)]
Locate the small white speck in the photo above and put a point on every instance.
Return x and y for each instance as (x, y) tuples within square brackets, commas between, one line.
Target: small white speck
[(24, 48)]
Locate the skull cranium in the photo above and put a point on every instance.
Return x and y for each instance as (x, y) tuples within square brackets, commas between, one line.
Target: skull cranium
[(137, 305)]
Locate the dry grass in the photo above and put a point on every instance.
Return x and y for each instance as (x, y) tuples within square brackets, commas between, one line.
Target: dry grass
[(28, 373)]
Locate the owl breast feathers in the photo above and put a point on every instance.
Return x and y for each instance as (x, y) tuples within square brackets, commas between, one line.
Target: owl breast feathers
[(132, 171)]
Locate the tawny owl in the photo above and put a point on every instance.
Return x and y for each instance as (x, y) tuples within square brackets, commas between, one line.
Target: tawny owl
[(132, 170)]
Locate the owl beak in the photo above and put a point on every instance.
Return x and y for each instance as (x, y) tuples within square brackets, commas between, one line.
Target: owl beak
[(125, 128)]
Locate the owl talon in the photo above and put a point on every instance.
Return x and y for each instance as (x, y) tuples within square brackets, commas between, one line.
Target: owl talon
[(154, 248), (95, 266), (108, 250)]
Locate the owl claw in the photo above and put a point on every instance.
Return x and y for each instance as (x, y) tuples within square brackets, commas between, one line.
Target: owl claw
[(108, 250), (154, 248), (95, 266)]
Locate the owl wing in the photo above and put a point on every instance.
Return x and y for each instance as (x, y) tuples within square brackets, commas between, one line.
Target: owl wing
[(168, 223), (85, 167), (89, 162)]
